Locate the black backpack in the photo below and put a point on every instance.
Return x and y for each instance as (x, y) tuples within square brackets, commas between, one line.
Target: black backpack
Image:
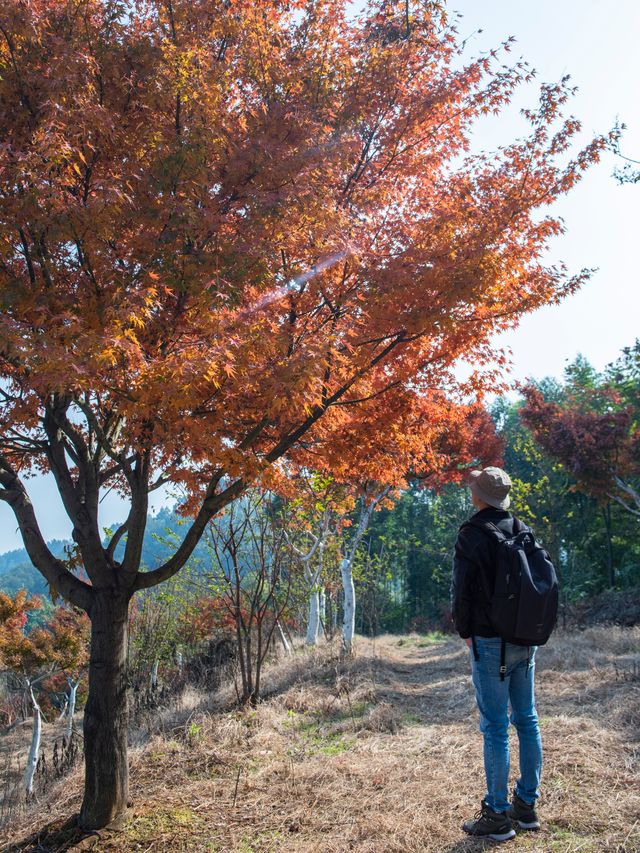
[(524, 604)]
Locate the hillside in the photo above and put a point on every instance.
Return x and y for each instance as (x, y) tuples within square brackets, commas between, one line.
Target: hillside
[(17, 572), (163, 530), (379, 755)]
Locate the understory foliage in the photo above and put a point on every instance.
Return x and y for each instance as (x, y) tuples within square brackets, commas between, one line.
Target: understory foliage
[(44, 655), (593, 429)]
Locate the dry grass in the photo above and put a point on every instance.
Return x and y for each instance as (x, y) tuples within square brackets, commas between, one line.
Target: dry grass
[(380, 755), (14, 749)]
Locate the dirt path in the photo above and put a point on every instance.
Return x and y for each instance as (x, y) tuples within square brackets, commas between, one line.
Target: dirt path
[(384, 756)]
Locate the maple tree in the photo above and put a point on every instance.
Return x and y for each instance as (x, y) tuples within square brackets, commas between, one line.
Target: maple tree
[(596, 439), (593, 431), (60, 645), (233, 233), (69, 630), (29, 656)]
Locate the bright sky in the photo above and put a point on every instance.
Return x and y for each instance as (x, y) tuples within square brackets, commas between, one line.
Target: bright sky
[(596, 42)]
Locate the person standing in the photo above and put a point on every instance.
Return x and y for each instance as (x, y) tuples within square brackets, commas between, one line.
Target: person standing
[(502, 672)]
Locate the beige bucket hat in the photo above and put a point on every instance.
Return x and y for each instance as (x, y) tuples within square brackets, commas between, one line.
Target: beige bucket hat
[(492, 485)]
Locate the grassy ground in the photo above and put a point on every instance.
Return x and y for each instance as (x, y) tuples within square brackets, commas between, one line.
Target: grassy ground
[(379, 755)]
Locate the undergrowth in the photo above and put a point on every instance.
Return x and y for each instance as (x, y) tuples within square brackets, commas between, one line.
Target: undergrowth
[(378, 754)]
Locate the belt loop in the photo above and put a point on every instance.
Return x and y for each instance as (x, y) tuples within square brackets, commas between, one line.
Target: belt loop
[(476, 656), (503, 656)]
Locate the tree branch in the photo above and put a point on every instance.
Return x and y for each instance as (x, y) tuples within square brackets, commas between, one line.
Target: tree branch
[(52, 569), (137, 521), (212, 504), (365, 516), (117, 536), (291, 437)]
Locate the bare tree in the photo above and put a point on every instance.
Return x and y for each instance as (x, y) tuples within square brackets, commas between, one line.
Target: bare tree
[(252, 576)]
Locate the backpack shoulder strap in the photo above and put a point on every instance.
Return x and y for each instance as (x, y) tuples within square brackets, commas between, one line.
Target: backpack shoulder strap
[(489, 528), (519, 526)]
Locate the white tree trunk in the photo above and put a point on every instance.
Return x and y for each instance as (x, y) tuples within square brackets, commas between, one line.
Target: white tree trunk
[(286, 645), (312, 578), (322, 611), (346, 569), (71, 708), (63, 713), (314, 617), (349, 619), (179, 657), (36, 733), (154, 674)]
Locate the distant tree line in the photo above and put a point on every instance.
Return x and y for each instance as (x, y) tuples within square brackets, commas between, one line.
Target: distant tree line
[(572, 449)]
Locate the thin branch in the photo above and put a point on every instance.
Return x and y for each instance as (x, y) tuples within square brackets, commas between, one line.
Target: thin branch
[(371, 396), (117, 536), (105, 475)]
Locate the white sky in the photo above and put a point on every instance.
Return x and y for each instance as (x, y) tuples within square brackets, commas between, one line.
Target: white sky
[(596, 42)]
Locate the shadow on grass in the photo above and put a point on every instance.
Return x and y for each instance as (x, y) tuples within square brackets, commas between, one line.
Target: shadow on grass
[(57, 837)]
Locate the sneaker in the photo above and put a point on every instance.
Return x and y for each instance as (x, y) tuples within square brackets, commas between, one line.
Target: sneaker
[(522, 814), (489, 824)]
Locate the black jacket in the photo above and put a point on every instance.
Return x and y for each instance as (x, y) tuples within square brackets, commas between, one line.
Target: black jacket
[(474, 573)]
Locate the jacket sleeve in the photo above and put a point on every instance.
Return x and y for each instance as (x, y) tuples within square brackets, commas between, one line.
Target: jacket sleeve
[(463, 580)]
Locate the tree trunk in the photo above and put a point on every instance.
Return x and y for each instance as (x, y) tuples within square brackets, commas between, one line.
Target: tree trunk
[(65, 708), (346, 569), (241, 660), (322, 615), (248, 664), (106, 713), (32, 760), (349, 619), (71, 706), (154, 674), (286, 645), (255, 693), (313, 621)]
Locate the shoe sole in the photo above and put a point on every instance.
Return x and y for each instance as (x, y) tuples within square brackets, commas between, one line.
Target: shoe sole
[(503, 836), (494, 836), (528, 827)]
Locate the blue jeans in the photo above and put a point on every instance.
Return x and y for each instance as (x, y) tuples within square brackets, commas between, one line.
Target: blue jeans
[(494, 697)]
